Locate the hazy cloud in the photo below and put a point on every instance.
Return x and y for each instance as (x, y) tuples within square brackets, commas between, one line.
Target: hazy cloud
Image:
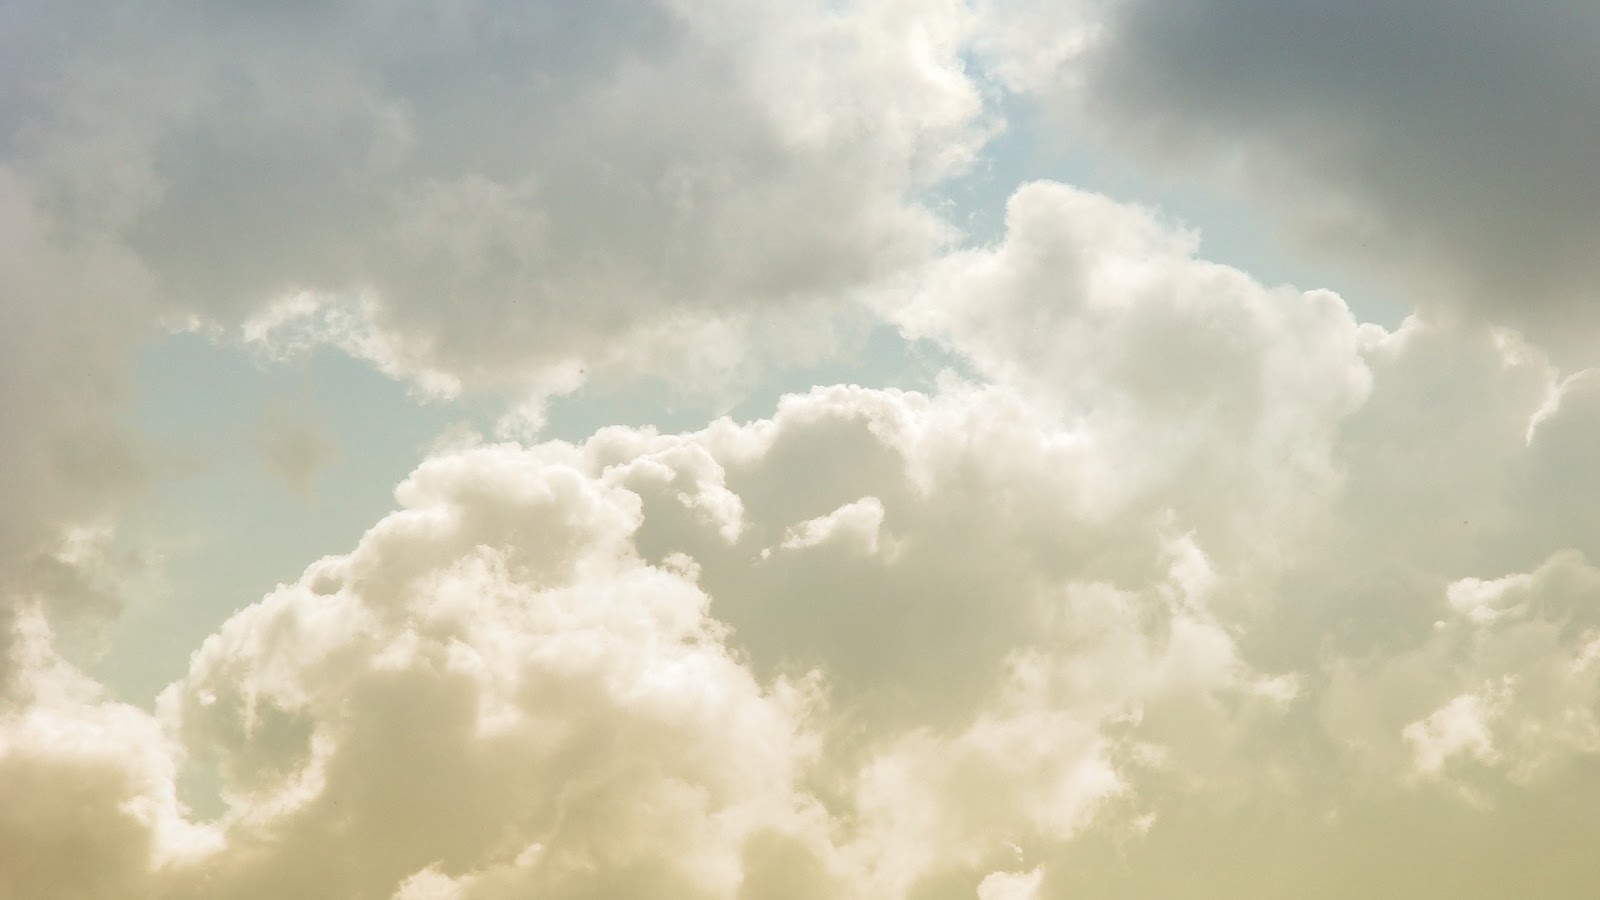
[(294, 451), (509, 191), (1444, 142)]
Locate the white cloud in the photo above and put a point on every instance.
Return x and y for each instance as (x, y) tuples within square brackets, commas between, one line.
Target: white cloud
[(91, 805), (1196, 388), (1010, 886), (1123, 592), (491, 669), (858, 522), (514, 684), (1460, 728)]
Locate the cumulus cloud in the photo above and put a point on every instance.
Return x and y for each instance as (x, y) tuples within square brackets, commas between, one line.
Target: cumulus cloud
[(1185, 585), (632, 185), (578, 721), (1079, 625), (1198, 388), (514, 684), (1444, 142), (460, 195), (90, 785), (990, 629), (523, 680)]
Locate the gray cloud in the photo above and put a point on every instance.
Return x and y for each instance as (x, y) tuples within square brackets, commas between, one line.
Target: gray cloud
[(513, 188), (66, 460), (1445, 142)]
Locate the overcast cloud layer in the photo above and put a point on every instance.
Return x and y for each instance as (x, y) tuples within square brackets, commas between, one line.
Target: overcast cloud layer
[(1176, 584)]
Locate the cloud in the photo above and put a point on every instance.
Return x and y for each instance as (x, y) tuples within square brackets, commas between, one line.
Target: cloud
[(571, 708), (585, 723), (1189, 583), (572, 669), (1442, 142), (501, 194), (1010, 886), (857, 522), (1200, 389), (1032, 636), (460, 196), (90, 784), (523, 680), (1179, 575), (1505, 683), (467, 197)]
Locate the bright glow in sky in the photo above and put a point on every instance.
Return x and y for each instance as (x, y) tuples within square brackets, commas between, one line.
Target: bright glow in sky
[(880, 449)]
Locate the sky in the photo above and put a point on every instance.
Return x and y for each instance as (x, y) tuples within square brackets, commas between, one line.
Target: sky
[(803, 450)]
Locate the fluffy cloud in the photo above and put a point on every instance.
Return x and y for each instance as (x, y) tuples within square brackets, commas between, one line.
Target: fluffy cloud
[(91, 805), (1200, 391), (492, 690), (1084, 626), (463, 195), (1065, 629), (1189, 586), (534, 651), (522, 681), (460, 194)]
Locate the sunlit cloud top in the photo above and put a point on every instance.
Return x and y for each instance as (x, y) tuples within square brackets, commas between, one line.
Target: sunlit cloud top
[(798, 451)]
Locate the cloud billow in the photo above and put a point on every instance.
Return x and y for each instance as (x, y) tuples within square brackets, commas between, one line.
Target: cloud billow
[(1184, 585), (994, 633)]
